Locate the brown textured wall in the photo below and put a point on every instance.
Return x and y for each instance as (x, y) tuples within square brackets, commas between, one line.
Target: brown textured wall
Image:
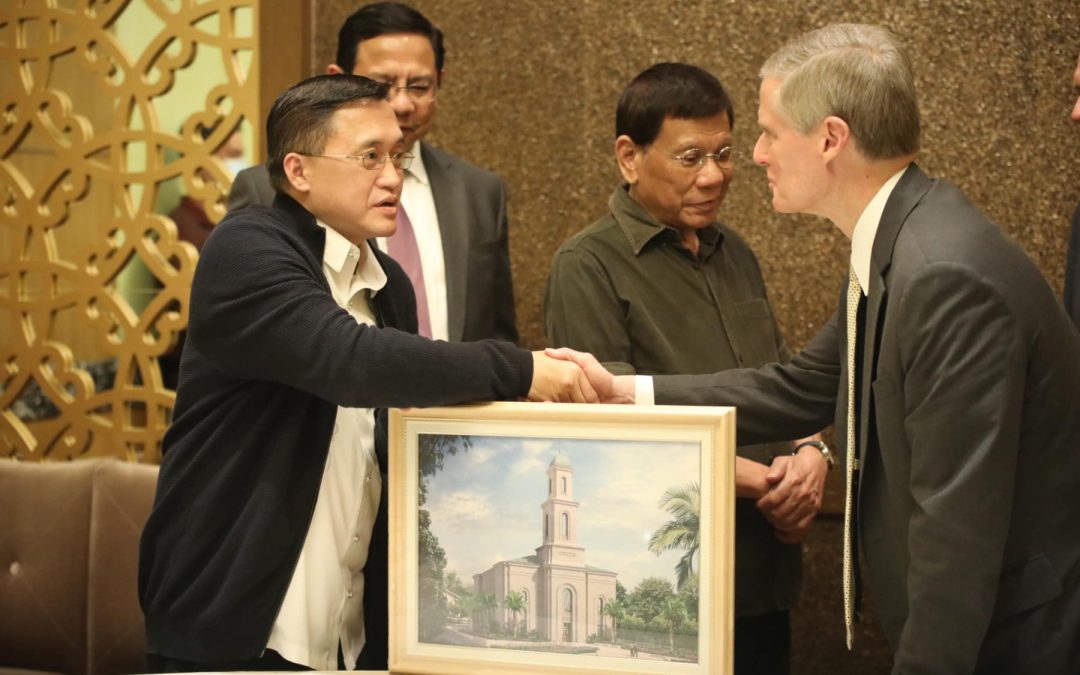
[(530, 93)]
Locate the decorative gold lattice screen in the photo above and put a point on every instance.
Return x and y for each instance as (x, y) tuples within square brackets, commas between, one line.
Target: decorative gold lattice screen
[(84, 161)]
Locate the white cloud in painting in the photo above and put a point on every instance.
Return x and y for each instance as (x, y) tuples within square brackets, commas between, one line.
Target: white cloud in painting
[(461, 509), (478, 455)]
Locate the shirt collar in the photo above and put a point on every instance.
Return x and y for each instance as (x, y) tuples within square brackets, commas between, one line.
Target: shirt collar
[(862, 237), (337, 249), (640, 228), (370, 274), (348, 260), (416, 168)]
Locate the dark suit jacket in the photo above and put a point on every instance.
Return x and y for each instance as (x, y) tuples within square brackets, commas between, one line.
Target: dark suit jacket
[(1072, 270), (471, 205), (969, 434)]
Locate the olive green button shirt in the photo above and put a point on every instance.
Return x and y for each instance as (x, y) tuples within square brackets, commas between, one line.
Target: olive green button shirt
[(626, 290)]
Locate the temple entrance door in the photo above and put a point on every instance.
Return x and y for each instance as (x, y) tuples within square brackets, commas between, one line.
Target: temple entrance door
[(567, 615)]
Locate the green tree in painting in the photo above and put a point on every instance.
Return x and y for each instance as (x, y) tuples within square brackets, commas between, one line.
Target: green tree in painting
[(455, 584), (689, 594), (432, 450), (430, 596), (515, 602), (483, 605), (673, 614), (452, 582), (683, 531), (466, 605), (647, 601), (617, 611)]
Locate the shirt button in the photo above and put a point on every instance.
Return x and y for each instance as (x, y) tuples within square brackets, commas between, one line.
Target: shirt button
[(349, 594), (356, 537), (367, 477)]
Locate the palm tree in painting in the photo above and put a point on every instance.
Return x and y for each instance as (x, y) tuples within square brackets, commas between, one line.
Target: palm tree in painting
[(485, 603), (515, 602), (683, 531), (673, 614), (617, 611)]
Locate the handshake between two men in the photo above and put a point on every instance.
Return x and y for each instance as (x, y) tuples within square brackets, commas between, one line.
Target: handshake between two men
[(788, 492)]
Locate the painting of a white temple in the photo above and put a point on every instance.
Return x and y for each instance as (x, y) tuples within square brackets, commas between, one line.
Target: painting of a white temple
[(559, 546), (564, 597)]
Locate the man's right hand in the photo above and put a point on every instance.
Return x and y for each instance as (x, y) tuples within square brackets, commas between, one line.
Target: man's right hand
[(560, 381), (609, 388)]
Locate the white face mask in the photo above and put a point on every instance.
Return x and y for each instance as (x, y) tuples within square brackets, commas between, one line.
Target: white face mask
[(234, 165)]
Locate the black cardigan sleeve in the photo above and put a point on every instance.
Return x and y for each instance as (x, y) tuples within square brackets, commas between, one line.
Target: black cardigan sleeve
[(262, 310)]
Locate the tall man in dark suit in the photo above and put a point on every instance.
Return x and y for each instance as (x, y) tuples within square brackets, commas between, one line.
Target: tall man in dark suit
[(452, 234), (266, 546), (963, 432)]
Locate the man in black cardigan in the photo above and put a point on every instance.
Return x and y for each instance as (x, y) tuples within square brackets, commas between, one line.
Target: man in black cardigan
[(268, 504)]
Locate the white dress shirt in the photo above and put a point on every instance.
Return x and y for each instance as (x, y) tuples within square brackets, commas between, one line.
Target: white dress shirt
[(419, 204), (866, 227), (324, 602)]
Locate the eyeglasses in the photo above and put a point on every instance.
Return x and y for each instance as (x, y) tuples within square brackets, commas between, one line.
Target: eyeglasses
[(695, 158), (372, 160), (419, 92)]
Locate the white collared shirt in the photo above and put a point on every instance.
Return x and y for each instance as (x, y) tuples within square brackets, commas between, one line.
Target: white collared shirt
[(324, 602), (862, 237), (419, 204)]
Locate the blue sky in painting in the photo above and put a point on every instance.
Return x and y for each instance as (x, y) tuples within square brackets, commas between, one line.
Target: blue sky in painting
[(485, 503)]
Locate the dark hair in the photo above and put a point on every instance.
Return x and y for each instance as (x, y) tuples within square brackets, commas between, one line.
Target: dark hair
[(385, 18), (664, 90), (299, 120)]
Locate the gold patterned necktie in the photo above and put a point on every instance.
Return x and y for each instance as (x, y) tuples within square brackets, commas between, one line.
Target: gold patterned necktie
[(854, 294)]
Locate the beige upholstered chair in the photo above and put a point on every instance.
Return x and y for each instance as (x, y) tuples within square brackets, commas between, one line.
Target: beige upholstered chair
[(69, 551)]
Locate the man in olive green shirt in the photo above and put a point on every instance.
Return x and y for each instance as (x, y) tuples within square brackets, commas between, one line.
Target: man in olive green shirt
[(657, 286)]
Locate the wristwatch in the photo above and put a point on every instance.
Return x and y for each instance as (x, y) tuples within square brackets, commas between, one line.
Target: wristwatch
[(820, 445)]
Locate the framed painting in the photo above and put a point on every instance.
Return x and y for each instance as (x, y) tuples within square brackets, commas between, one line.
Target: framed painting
[(561, 538)]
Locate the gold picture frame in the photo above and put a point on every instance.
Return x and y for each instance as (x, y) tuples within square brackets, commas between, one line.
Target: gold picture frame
[(619, 582)]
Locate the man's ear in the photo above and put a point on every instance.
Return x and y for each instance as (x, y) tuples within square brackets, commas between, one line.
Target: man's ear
[(296, 172), (836, 134), (627, 154), (334, 69), (440, 78)]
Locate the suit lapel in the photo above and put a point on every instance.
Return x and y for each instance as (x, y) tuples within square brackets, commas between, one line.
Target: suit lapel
[(905, 196), (448, 192)]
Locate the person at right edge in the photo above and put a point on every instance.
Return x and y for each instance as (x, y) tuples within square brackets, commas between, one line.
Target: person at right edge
[(1072, 259)]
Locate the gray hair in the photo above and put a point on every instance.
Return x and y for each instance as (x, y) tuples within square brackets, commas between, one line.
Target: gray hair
[(856, 72)]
